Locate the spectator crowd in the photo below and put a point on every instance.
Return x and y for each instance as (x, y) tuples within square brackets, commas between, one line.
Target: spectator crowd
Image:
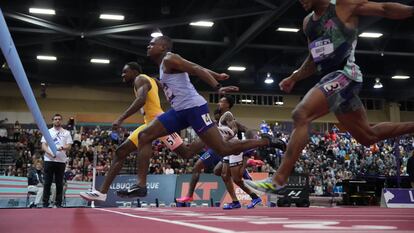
[(328, 158)]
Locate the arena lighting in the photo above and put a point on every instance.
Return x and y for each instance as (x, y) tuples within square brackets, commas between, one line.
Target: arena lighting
[(42, 11), (377, 84), (46, 58), (279, 102), (370, 35), (112, 17), (202, 23), (281, 29), (236, 68), (101, 61), (156, 34), (269, 79), (246, 101), (400, 77)]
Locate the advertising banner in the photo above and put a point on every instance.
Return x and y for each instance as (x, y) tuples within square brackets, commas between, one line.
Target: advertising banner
[(211, 186), (159, 186), (397, 198)]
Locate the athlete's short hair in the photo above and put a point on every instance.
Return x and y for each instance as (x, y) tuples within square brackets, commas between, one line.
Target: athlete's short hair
[(135, 66), (229, 100), (167, 42)]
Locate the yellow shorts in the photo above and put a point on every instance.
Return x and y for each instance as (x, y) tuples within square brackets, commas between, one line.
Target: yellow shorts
[(134, 136), (172, 141)]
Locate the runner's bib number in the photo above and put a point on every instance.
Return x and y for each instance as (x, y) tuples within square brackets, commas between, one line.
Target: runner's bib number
[(320, 49)]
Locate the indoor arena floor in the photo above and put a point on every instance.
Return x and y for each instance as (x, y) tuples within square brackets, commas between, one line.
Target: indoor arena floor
[(200, 220)]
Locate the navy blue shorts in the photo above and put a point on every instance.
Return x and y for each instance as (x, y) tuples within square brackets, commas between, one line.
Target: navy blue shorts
[(198, 118), (210, 159)]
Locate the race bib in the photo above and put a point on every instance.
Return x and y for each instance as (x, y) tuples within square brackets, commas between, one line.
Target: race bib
[(206, 118), (320, 49), (172, 141)]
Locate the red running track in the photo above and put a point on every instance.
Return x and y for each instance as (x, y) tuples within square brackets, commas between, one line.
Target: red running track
[(202, 220)]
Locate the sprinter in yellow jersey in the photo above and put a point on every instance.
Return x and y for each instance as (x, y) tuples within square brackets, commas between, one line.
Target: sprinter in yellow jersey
[(148, 102)]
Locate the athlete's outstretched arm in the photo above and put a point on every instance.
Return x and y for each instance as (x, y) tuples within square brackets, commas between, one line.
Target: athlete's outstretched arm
[(217, 76), (176, 62), (390, 10), (142, 86)]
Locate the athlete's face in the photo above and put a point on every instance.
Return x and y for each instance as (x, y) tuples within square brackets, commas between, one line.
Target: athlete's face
[(223, 105), (155, 48), (128, 74)]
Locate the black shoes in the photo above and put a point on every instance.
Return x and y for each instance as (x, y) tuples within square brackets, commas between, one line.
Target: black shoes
[(133, 191)]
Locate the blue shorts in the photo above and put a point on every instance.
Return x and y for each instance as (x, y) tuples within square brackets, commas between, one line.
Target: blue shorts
[(210, 158), (198, 118)]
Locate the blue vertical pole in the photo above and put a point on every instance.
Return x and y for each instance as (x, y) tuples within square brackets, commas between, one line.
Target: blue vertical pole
[(15, 65)]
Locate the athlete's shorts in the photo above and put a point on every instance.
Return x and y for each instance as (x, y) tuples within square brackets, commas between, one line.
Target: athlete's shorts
[(172, 141), (233, 160), (226, 159), (341, 92), (236, 160), (210, 158), (198, 118)]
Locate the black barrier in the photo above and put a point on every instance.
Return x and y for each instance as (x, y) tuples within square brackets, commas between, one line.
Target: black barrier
[(296, 191)]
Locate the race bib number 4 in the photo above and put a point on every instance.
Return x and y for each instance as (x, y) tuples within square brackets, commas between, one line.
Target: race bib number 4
[(206, 118), (320, 49)]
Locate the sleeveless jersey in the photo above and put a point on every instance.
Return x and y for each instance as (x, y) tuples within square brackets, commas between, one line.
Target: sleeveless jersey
[(152, 107), (179, 91), (332, 45)]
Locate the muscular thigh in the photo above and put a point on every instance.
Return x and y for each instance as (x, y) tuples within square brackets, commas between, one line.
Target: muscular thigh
[(134, 136), (154, 130)]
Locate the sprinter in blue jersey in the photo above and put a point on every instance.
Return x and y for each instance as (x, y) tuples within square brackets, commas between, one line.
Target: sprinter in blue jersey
[(189, 108)]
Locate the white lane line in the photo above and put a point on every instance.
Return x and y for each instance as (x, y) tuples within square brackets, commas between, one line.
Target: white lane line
[(336, 231), (244, 220), (191, 225)]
